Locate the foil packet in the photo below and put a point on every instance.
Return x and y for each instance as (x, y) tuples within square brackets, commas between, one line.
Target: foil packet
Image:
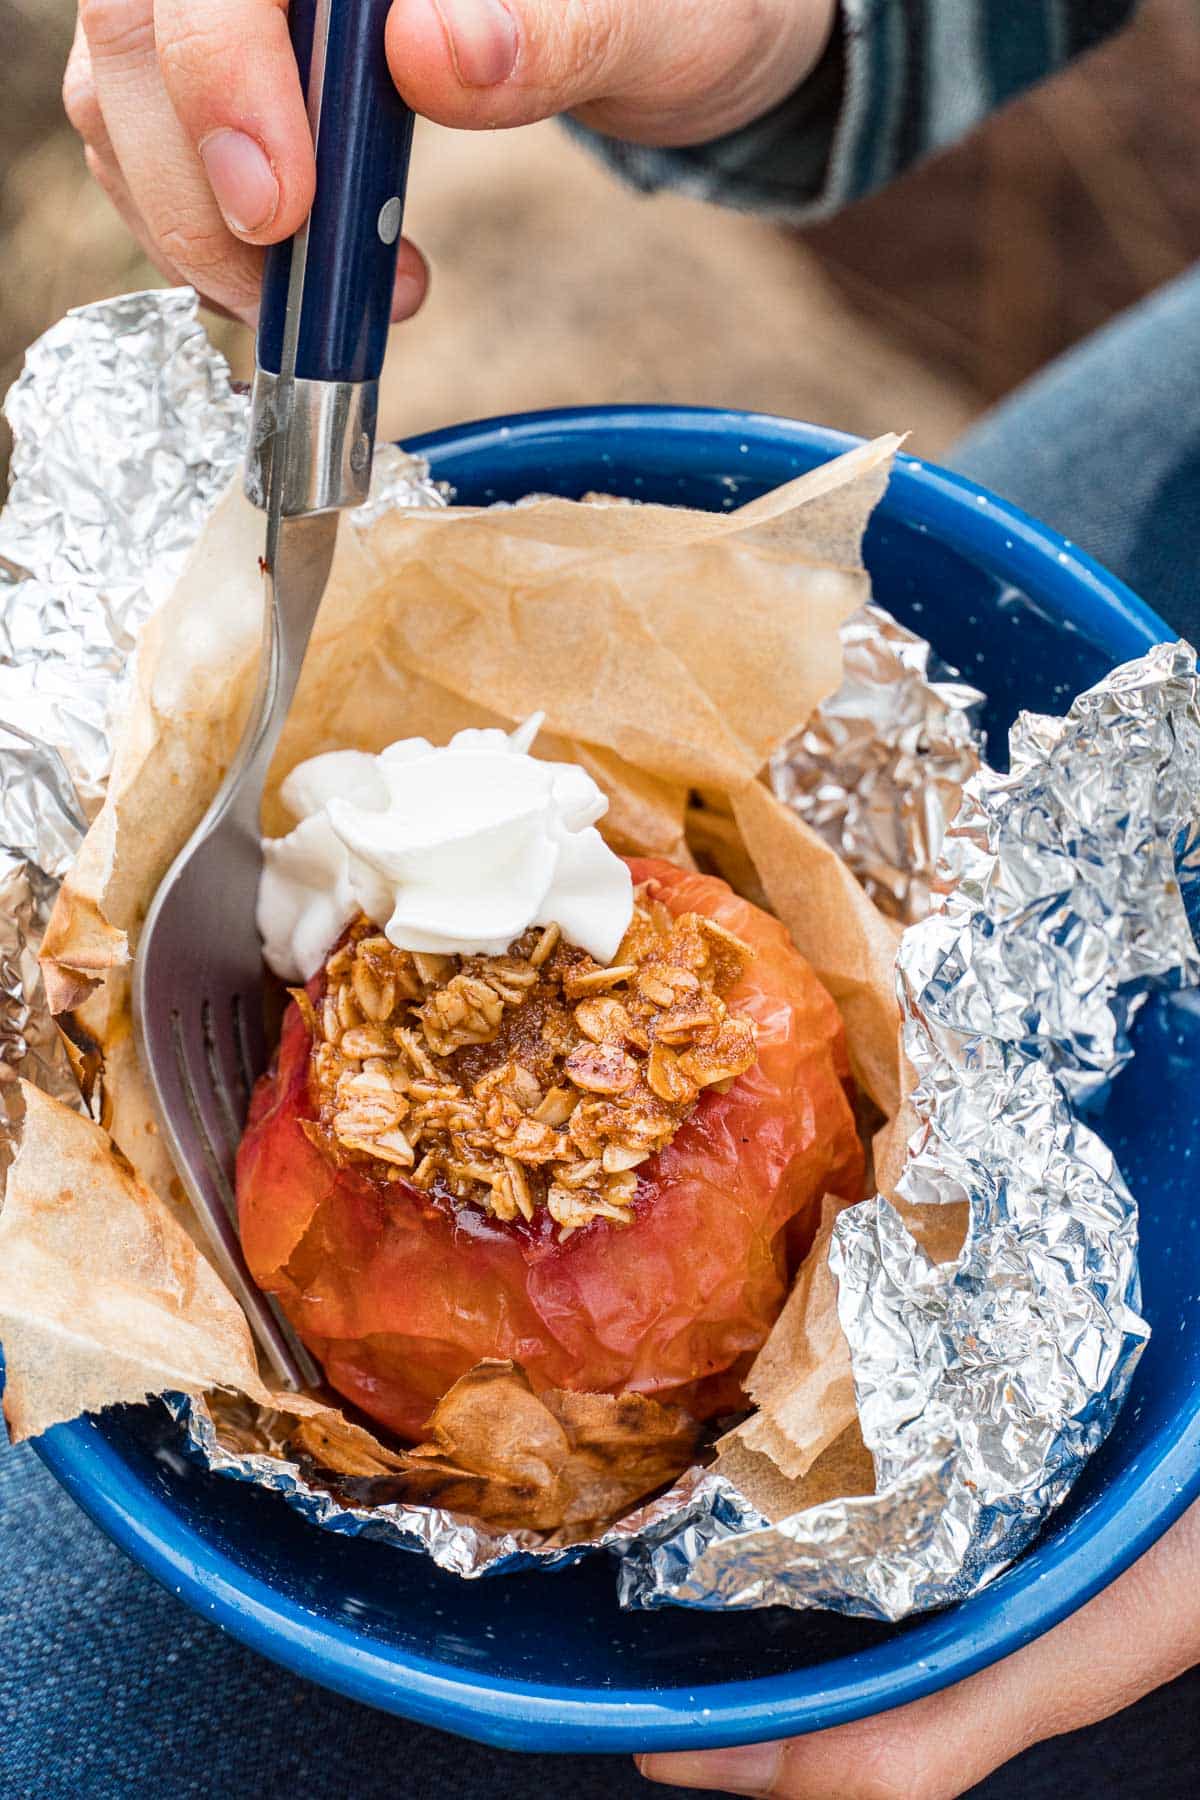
[(1066, 880), (1061, 897), (879, 769)]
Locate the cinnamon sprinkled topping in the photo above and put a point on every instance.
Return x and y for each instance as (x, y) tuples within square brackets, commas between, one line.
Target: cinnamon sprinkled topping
[(535, 1079)]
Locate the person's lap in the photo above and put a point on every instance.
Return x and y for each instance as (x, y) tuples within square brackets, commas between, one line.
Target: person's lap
[(1105, 446), (110, 1689)]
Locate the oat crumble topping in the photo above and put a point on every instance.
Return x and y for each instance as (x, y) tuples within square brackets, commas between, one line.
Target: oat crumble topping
[(534, 1079)]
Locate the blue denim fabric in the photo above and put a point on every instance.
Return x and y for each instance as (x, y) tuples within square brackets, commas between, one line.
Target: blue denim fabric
[(111, 1690), (1105, 446)]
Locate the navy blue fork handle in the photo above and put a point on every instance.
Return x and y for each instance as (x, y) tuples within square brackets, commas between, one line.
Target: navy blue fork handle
[(363, 146)]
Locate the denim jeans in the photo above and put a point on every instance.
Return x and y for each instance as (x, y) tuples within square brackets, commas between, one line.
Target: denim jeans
[(1105, 446), (111, 1690)]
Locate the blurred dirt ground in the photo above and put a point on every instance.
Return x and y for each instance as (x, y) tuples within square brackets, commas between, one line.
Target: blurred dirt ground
[(552, 285)]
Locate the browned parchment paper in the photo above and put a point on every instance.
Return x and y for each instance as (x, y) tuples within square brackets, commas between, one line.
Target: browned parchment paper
[(801, 1382), (841, 1472), (553, 1462), (106, 1297), (556, 1463), (671, 652)]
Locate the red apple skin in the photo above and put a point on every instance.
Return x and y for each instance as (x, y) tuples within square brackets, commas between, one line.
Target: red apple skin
[(398, 1294)]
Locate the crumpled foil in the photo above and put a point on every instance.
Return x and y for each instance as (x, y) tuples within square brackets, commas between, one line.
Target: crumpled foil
[(112, 476), (1061, 898), (1058, 897), (127, 431), (879, 769)]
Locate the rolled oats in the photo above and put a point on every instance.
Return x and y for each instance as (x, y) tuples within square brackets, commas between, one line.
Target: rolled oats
[(534, 1080)]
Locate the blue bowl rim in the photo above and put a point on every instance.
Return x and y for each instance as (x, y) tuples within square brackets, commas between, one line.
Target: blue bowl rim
[(1038, 1592)]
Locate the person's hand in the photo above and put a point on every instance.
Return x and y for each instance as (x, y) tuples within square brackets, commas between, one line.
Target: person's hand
[(1137, 1634), (195, 125)]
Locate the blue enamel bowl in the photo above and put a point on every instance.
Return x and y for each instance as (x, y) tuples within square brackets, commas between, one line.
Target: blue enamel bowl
[(546, 1661)]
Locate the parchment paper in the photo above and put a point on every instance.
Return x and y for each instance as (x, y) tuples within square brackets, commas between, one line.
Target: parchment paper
[(671, 651)]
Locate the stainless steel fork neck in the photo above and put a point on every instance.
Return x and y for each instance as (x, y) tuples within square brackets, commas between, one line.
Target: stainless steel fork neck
[(327, 448), (311, 442)]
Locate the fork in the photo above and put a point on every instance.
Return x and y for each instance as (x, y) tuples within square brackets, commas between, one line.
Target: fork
[(198, 986)]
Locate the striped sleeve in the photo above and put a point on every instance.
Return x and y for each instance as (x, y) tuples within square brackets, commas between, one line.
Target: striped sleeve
[(900, 78)]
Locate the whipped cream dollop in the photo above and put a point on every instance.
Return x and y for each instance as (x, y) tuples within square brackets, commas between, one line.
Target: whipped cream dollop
[(454, 850)]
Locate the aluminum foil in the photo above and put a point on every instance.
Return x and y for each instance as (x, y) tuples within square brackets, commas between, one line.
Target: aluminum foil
[(112, 476), (879, 769), (1061, 898), (1058, 896), (127, 431)]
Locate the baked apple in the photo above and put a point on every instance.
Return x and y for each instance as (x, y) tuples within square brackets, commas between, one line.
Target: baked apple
[(602, 1173)]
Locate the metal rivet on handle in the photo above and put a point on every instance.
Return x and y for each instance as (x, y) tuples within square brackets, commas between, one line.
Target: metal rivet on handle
[(390, 215)]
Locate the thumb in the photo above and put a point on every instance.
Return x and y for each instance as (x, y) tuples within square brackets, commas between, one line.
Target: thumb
[(1140, 1632), (653, 71), (229, 70)]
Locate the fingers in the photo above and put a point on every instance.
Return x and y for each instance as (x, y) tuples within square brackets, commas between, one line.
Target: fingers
[(106, 173), (196, 129), (1139, 1633), (159, 166), (231, 76), (657, 71), (83, 110), (80, 100), (412, 282)]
